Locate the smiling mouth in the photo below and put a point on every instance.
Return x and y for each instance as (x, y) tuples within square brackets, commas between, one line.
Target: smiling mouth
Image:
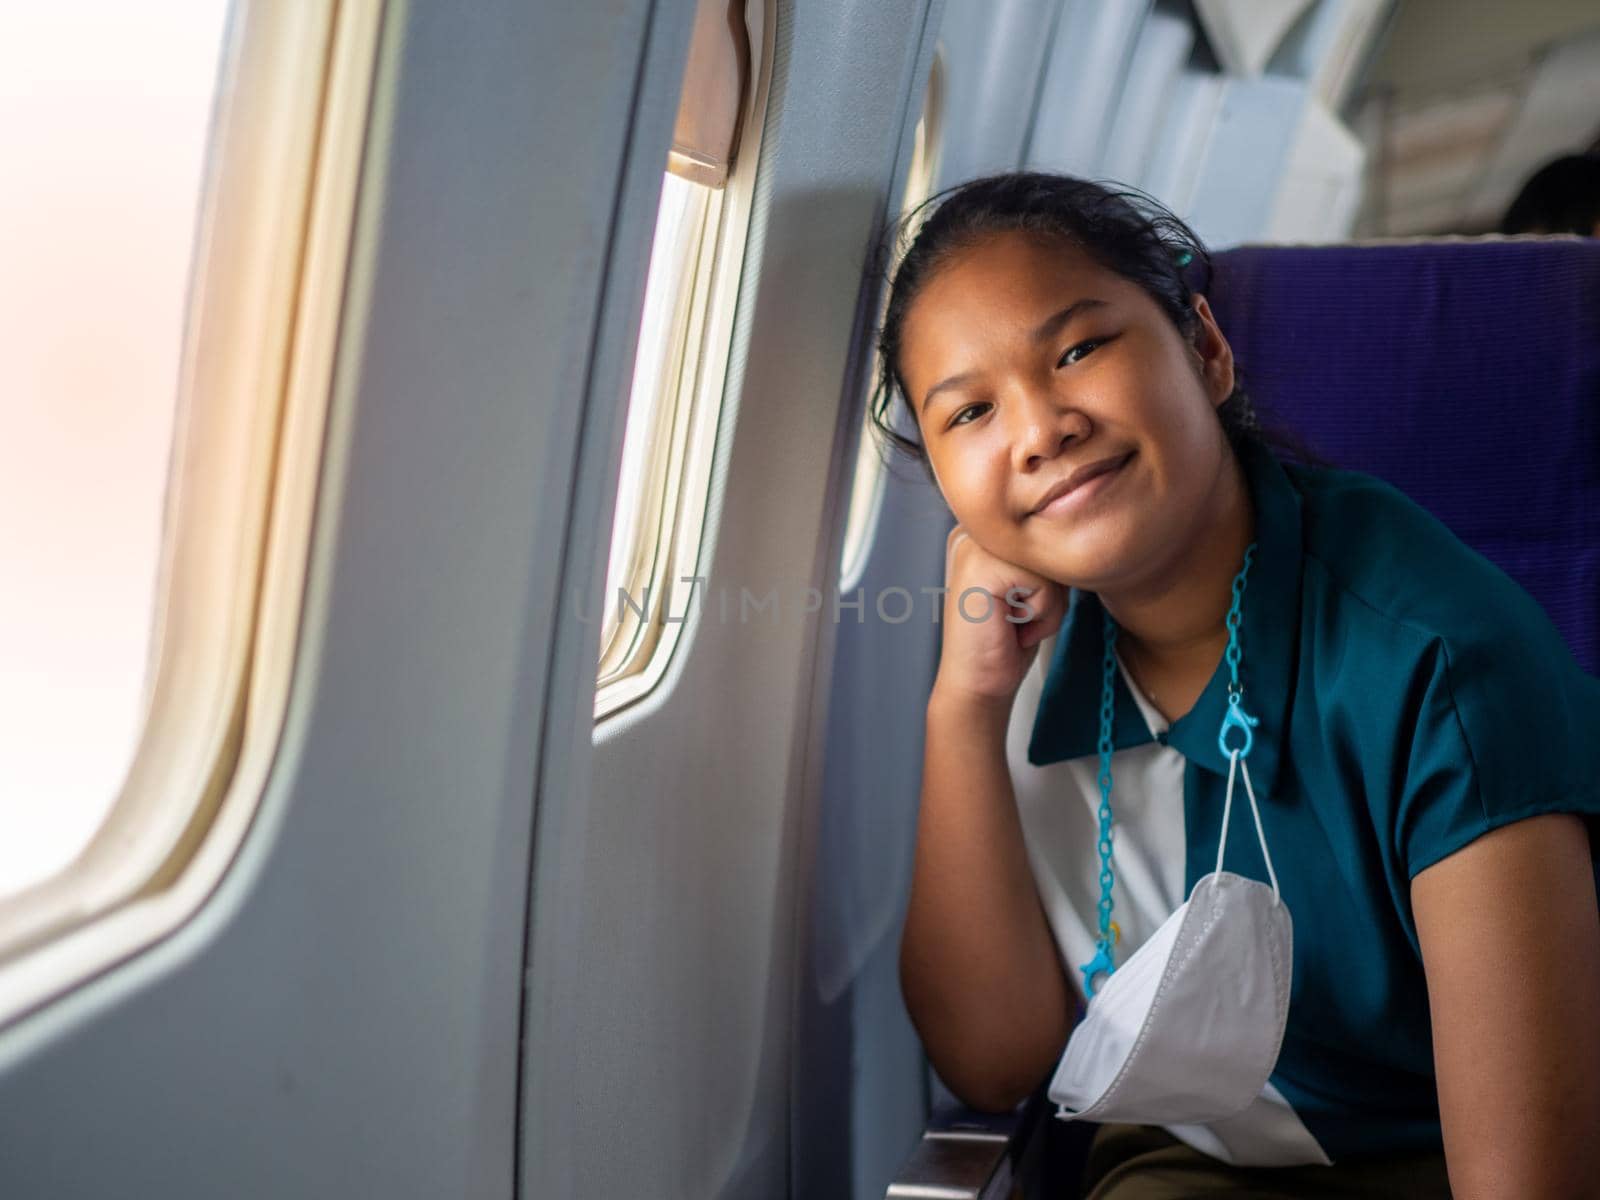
[(1084, 491)]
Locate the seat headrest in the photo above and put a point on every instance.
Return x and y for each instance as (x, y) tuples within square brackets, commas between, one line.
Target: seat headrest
[(1465, 372)]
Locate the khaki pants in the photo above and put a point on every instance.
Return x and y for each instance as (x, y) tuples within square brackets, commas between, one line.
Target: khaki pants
[(1142, 1162)]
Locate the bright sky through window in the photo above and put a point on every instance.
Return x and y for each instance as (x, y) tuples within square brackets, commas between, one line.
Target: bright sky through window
[(655, 384), (105, 108)]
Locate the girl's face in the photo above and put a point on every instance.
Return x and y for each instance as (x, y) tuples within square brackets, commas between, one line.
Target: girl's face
[(1030, 366)]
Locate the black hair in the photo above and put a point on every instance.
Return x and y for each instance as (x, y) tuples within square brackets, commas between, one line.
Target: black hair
[(1123, 230), (1561, 197)]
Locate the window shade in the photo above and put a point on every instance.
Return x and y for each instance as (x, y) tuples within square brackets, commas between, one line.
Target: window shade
[(707, 133)]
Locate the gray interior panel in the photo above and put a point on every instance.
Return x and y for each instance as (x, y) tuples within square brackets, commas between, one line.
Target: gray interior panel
[(661, 989), (861, 1086), (342, 1018)]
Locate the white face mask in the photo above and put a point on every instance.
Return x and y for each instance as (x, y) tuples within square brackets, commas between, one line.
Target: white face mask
[(1188, 1030)]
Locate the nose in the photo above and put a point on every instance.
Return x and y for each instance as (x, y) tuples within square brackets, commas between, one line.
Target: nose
[(1045, 427)]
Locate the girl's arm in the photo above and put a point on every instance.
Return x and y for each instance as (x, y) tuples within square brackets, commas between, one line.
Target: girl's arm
[(978, 965), (1511, 946)]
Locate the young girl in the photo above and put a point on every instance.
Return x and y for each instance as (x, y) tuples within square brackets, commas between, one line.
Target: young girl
[(1148, 610)]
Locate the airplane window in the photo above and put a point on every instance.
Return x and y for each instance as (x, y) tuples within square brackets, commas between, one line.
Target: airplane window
[(676, 391), (658, 367), (866, 487), (176, 234), (103, 123)]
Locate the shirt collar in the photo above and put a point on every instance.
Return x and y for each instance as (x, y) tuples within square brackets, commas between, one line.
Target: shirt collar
[(1068, 720)]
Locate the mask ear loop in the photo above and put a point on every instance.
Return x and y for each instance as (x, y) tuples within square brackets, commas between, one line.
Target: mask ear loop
[(1227, 812), (1235, 762)]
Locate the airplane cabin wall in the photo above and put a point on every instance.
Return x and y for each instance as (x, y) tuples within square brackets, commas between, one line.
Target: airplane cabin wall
[(862, 1087), (660, 1028), (342, 1016)]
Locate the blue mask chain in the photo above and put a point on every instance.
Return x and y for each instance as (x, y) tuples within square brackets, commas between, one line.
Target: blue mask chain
[(1235, 718)]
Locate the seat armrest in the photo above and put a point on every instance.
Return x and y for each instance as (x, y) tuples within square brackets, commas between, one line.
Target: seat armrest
[(969, 1155)]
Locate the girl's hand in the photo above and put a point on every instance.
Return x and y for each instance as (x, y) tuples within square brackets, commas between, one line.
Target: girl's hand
[(995, 615)]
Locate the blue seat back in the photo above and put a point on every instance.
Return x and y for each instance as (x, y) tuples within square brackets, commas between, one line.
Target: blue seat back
[(1466, 373)]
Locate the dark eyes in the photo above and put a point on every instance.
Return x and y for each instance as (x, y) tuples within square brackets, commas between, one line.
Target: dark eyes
[(969, 413), (1081, 351)]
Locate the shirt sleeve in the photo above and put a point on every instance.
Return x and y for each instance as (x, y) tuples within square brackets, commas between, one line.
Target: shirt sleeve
[(1504, 729)]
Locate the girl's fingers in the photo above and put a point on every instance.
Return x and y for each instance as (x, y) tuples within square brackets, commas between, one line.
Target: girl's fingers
[(1048, 613), (950, 543)]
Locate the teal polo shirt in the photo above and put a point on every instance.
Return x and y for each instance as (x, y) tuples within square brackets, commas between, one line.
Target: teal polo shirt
[(1411, 697)]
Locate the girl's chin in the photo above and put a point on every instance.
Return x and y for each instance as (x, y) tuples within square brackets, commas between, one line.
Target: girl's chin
[(1088, 568)]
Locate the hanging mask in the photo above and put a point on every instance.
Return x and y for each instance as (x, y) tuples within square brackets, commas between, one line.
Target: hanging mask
[(1188, 1030)]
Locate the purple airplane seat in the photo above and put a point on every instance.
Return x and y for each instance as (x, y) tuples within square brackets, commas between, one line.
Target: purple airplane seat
[(1466, 373)]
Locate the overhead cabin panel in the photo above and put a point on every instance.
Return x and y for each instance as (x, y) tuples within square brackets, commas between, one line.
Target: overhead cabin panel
[(1083, 83)]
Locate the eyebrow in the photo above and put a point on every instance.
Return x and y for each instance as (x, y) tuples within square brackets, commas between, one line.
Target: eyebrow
[(1047, 328)]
